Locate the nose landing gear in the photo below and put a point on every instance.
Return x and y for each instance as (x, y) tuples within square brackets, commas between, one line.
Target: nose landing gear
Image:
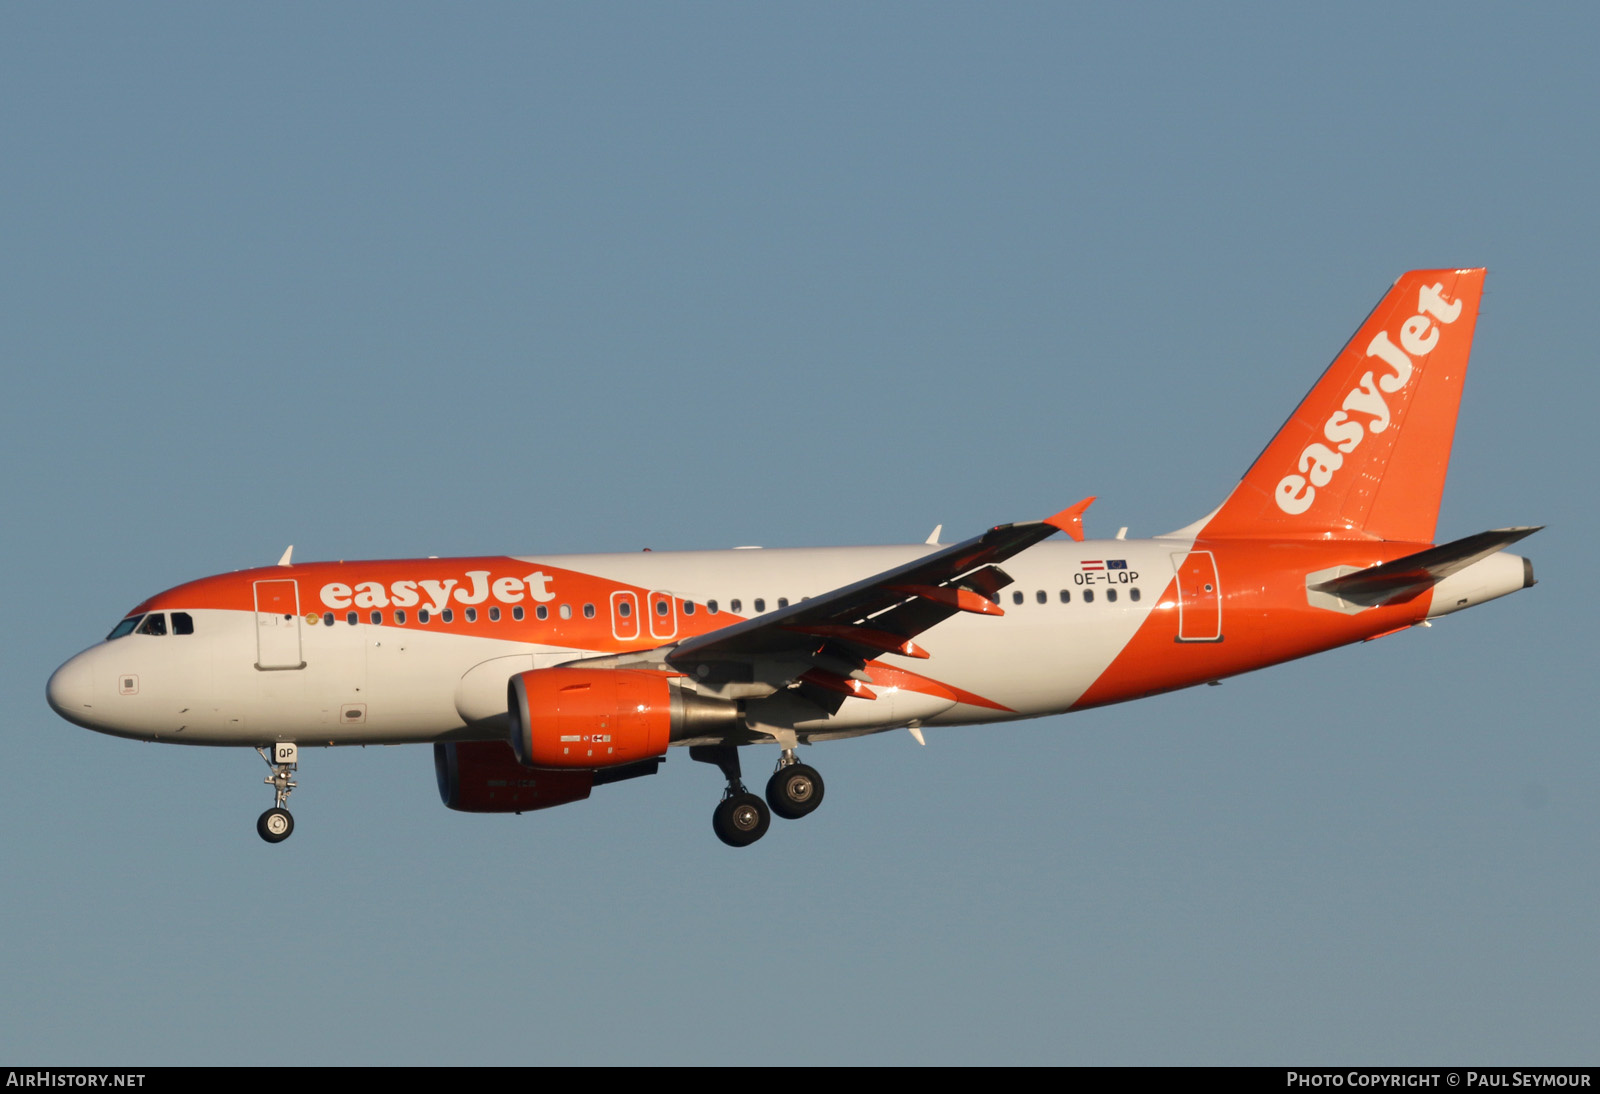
[(277, 823)]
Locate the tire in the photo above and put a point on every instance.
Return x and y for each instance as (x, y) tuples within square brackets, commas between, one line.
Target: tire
[(275, 825), (741, 820), (794, 791)]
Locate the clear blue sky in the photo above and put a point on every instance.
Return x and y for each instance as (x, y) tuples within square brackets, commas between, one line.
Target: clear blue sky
[(397, 280)]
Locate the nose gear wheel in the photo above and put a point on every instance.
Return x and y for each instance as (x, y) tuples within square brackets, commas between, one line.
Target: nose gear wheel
[(275, 825)]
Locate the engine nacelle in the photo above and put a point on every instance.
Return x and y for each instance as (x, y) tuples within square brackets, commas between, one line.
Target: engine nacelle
[(485, 777), (600, 718)]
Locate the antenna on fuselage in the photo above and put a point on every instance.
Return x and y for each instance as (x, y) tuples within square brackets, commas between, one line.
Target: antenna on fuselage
[(288, 551)]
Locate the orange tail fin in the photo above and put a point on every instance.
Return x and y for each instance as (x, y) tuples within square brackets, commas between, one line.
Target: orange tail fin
[(1364, 455)]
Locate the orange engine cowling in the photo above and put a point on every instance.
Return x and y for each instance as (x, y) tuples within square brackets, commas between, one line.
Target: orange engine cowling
[(485, 777), (591, 718)]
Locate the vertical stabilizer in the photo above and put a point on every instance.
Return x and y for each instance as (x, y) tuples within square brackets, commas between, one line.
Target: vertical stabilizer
[(1365, 453)]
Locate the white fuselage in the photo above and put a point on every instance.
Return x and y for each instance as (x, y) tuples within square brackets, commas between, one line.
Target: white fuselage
[(363, 683)]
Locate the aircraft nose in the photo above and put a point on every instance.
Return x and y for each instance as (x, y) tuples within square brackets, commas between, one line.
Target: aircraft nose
[(71, 691)]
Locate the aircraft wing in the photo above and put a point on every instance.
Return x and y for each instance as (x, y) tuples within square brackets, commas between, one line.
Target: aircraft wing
[(828, 639)]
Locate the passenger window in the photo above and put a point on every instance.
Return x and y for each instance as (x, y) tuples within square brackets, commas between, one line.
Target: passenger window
[(155, 623), (588, 611), (541, 612), (125, 627), (400, 616), (566, 611), (516, 613), (182, 623), (783, 602), (624, 609), (1016, 597), (472, 615), (350, 619), (761, 605), (1042, 597), (1111, 595), (448, 615), (494, 615), (1133, 593), (735, 606), (422, 615), (376, 618), (688, 607), (1088, 596), (711, 606), (1066, 596), (661, 607)]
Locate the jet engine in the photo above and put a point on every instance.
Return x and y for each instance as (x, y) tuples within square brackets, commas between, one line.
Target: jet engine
[(485, 777), (599, 718)]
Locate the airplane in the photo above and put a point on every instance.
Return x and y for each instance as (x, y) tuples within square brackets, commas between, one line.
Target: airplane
[(539, 677)]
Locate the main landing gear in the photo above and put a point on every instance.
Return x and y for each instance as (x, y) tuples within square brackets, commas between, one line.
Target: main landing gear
[(277, 823), (795, 789), (741, 818)]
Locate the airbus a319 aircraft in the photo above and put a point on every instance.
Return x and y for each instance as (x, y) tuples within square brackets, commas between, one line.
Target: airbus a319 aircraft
[(537, 678)]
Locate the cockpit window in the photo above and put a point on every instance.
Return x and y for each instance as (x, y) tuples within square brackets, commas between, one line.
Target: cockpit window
[(154, 624), (125, 627), (182, 623)]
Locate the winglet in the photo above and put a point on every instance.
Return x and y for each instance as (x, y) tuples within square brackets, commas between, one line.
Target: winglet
[(1070, 519), (284, 561)]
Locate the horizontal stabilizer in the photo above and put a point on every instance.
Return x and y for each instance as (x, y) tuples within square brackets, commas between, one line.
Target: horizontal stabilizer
[(1405, 577)]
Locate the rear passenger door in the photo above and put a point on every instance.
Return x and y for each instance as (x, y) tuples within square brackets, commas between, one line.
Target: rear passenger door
[(1199, 598)]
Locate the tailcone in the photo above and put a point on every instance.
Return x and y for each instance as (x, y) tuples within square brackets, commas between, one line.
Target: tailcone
[(1487, 579)]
